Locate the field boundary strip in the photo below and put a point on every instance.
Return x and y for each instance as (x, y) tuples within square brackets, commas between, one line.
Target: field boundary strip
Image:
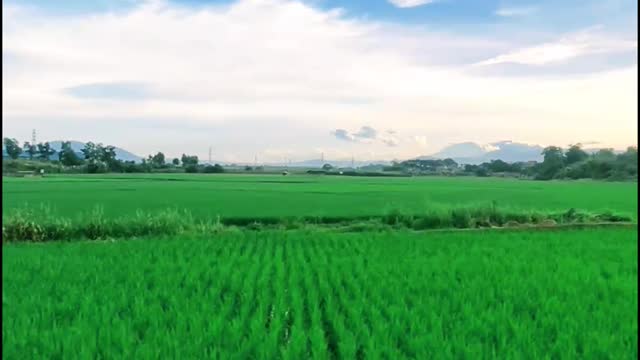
[(33, 227)]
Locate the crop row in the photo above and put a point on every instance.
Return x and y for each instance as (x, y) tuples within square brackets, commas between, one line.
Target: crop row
[(309, 294)]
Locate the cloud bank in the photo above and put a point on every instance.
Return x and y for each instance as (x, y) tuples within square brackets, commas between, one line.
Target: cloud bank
[(203, 75)]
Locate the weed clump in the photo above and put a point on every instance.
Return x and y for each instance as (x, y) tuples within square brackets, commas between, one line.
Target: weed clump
[(40, 226)]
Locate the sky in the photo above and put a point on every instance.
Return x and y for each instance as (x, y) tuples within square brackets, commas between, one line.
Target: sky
[(290, 80)]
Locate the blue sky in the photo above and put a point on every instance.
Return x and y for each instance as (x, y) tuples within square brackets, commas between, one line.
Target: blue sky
[(549, 14), (181, 75)]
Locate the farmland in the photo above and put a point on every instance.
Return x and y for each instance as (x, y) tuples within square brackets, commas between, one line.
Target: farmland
[(319, 292), (278, 196), (318, 295)]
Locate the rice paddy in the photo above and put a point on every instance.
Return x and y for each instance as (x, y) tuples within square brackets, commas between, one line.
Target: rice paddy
[(309, 292)]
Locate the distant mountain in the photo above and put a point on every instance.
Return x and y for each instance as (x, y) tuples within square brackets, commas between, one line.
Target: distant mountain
[(77, 146), (472, 153), (317, 163), (465, 150), (512, 152)]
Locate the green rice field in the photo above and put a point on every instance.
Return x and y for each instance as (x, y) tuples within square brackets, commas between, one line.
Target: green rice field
[(296, 195), (308, 292), (299, 295)]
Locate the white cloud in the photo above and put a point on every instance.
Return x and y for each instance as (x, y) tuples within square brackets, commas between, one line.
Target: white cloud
[(421, 140), (582, 43), (516, 11), (295, 70), (367, 135), (410, 3)]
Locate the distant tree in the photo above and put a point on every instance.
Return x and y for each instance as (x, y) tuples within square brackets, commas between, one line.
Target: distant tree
[(189, 160), (450, 163), (605, 155), (482, 172), (67, 156), (30, 149), (91, 152), (101, 158), (176, 161), (107, 153), (327, 167), (553, 162), (469, 168), (627, 163), (248, 168), (575, 154), (157, 160), (190, 168), (12, 147), (45, 151), (217, 168), (498, 166)]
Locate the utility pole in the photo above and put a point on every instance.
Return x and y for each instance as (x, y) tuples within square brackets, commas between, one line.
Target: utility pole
[(322, 158), (33, 137), (209, 154), (352, 161)]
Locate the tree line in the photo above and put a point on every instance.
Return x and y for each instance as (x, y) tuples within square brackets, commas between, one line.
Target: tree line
[(558, 163), (99, 158)]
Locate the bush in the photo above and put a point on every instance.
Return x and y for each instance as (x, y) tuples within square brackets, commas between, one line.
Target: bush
[(215, 169), (191, 169), (461, 219)]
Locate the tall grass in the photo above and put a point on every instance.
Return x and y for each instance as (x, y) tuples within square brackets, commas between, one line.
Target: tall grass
[(40, 224)]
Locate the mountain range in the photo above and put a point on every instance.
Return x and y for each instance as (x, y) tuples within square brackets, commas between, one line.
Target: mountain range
[(462, 153), (472, 153)]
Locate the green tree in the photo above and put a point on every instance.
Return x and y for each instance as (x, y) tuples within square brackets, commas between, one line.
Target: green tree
[(575, 154), (12, 147), (157, 160), (327, 167), (498, 166), (189, 160), (217, 168), (45, 151), (91, 152), (30, 149), (553, 162), (605, 155), (627, 163), (67, 156), (176, 161)]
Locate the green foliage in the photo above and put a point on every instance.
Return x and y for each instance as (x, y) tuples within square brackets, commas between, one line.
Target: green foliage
[(189, 160), (67, 156), (311, 294), (45, 152), (30, 149), (158, 160), (575, 154), (213, 169), (420, 165), (190, 168), (12, 147), (38, 225)]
